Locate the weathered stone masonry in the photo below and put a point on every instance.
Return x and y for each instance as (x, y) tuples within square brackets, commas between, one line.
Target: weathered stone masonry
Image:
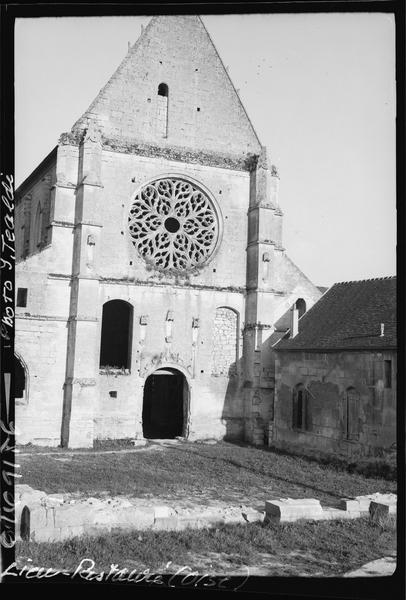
[(203, 325)]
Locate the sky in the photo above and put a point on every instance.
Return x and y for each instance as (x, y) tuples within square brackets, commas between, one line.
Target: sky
[(319, 90)]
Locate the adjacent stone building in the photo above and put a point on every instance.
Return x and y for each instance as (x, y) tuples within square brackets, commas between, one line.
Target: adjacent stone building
[(152, 280), (336, 373)]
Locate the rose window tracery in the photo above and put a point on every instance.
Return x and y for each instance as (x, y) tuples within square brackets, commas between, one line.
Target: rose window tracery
[(173, 224)]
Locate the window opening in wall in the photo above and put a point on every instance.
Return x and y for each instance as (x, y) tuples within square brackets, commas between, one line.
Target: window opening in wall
[(174, 225), (19, 379), (22, 297), (20, 241), (162, 110), (116, 335), (301, 409), (163, 90), (352, 414), (388, 373), (38, 227)]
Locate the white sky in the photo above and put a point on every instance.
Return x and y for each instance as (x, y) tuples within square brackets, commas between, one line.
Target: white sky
[(318, 88)]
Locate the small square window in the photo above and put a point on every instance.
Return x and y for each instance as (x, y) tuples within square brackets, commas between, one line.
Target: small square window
[(113, 394), (22, 297)]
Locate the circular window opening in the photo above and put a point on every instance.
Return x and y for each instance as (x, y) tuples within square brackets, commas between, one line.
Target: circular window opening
[(172, 225)]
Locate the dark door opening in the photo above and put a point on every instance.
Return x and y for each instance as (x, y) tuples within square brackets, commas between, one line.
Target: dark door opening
[(165, 404)]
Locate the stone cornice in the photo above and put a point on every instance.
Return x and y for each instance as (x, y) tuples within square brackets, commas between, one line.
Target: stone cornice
[(137, 282), (247, 162), (61, 224), (30, 317)]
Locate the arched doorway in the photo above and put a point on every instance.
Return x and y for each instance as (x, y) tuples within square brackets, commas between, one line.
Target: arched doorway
[(165, 404)]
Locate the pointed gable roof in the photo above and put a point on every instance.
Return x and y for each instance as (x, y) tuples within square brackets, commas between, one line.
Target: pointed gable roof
[(204, 110), (348, 317)]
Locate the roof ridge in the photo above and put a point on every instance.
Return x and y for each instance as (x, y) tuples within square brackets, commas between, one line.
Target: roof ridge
[(365, 280)]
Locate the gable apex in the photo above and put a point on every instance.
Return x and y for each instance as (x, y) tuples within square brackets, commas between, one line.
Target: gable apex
[(202, 111)]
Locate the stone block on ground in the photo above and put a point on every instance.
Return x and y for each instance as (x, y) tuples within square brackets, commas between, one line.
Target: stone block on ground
[(349, 505), (191, 523), (54, 500), (166, 524), (47, 534), (134, 518), (378, 512), (365, 501), (163, 512), (139, 443), (289, 510), (252, 516), (27, 495), (339, 513), (73, 514)]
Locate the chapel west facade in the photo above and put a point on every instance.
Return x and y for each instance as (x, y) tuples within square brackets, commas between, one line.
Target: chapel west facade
[(152, 280)]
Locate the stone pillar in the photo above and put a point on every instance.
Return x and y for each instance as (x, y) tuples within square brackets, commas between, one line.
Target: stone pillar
[(80, 393), (264, 241), (62, 208)]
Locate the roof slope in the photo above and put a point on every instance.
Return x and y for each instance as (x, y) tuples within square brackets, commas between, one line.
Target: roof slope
[(349, 316), (204, 109)]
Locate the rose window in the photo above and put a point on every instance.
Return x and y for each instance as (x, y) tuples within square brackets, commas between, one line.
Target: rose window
[(173, 224)]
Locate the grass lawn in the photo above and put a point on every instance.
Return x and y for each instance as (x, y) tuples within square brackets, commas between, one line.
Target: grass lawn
[(195, 472), (294, 549)]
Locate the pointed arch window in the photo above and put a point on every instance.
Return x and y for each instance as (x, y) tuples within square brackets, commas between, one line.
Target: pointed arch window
[(162, 110), (301, 417), (38, 227)]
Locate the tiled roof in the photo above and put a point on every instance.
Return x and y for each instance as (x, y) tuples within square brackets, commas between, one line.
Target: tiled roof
[(349, 316)]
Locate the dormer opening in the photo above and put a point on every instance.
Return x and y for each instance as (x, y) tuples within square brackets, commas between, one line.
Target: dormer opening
[(301, 307)]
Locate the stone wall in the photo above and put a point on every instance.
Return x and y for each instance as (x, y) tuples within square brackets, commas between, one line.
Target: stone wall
[(215, 405), (33, 215), (225, 342), (124, 174), (204, 111), (333, 380)]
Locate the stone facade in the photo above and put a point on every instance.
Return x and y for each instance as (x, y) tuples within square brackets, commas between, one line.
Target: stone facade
[(211, 319), (351, 410)]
